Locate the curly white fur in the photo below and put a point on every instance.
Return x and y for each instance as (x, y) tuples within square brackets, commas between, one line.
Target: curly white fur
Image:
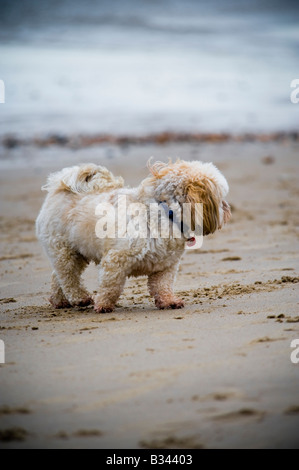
[(67, 220)]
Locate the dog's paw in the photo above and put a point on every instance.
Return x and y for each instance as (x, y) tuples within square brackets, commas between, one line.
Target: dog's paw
[(103, 309), (174, 304), (102, 305)]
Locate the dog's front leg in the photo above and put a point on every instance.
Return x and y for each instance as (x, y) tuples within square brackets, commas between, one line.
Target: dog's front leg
[(160, 286), (112, 278)]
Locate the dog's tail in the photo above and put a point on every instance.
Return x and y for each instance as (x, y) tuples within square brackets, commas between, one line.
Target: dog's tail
[(88, 178)]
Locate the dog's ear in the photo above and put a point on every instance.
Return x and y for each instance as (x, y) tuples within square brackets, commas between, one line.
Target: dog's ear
[(205, 192)]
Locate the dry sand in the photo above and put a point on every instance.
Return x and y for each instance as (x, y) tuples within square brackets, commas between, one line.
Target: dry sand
[(214, 374)]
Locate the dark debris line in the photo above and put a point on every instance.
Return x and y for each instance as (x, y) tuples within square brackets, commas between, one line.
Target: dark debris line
[(81, 141)]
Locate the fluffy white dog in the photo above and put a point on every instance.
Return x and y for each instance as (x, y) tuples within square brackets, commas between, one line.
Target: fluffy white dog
[(66, 227)]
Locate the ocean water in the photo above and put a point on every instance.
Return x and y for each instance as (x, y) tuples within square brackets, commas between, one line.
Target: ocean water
[(142, 66)]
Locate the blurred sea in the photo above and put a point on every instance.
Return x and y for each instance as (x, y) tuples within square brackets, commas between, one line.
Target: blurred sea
[(141, 66)]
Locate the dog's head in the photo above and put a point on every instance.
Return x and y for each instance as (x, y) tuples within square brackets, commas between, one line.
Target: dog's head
[(192, 182)]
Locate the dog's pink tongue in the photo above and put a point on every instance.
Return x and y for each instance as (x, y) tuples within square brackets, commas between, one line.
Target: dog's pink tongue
[(191, 241)]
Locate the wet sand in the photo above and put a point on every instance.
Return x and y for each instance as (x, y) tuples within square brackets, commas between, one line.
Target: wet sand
[(216, 374)]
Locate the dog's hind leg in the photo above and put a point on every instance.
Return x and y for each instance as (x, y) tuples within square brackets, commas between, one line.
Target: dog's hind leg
[(160, 286), (68, 266)]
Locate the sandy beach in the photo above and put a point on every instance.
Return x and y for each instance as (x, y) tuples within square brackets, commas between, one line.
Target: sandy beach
[(216, 374)]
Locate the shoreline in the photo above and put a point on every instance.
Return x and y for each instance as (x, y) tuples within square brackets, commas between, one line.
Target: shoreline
[(161, 138)]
